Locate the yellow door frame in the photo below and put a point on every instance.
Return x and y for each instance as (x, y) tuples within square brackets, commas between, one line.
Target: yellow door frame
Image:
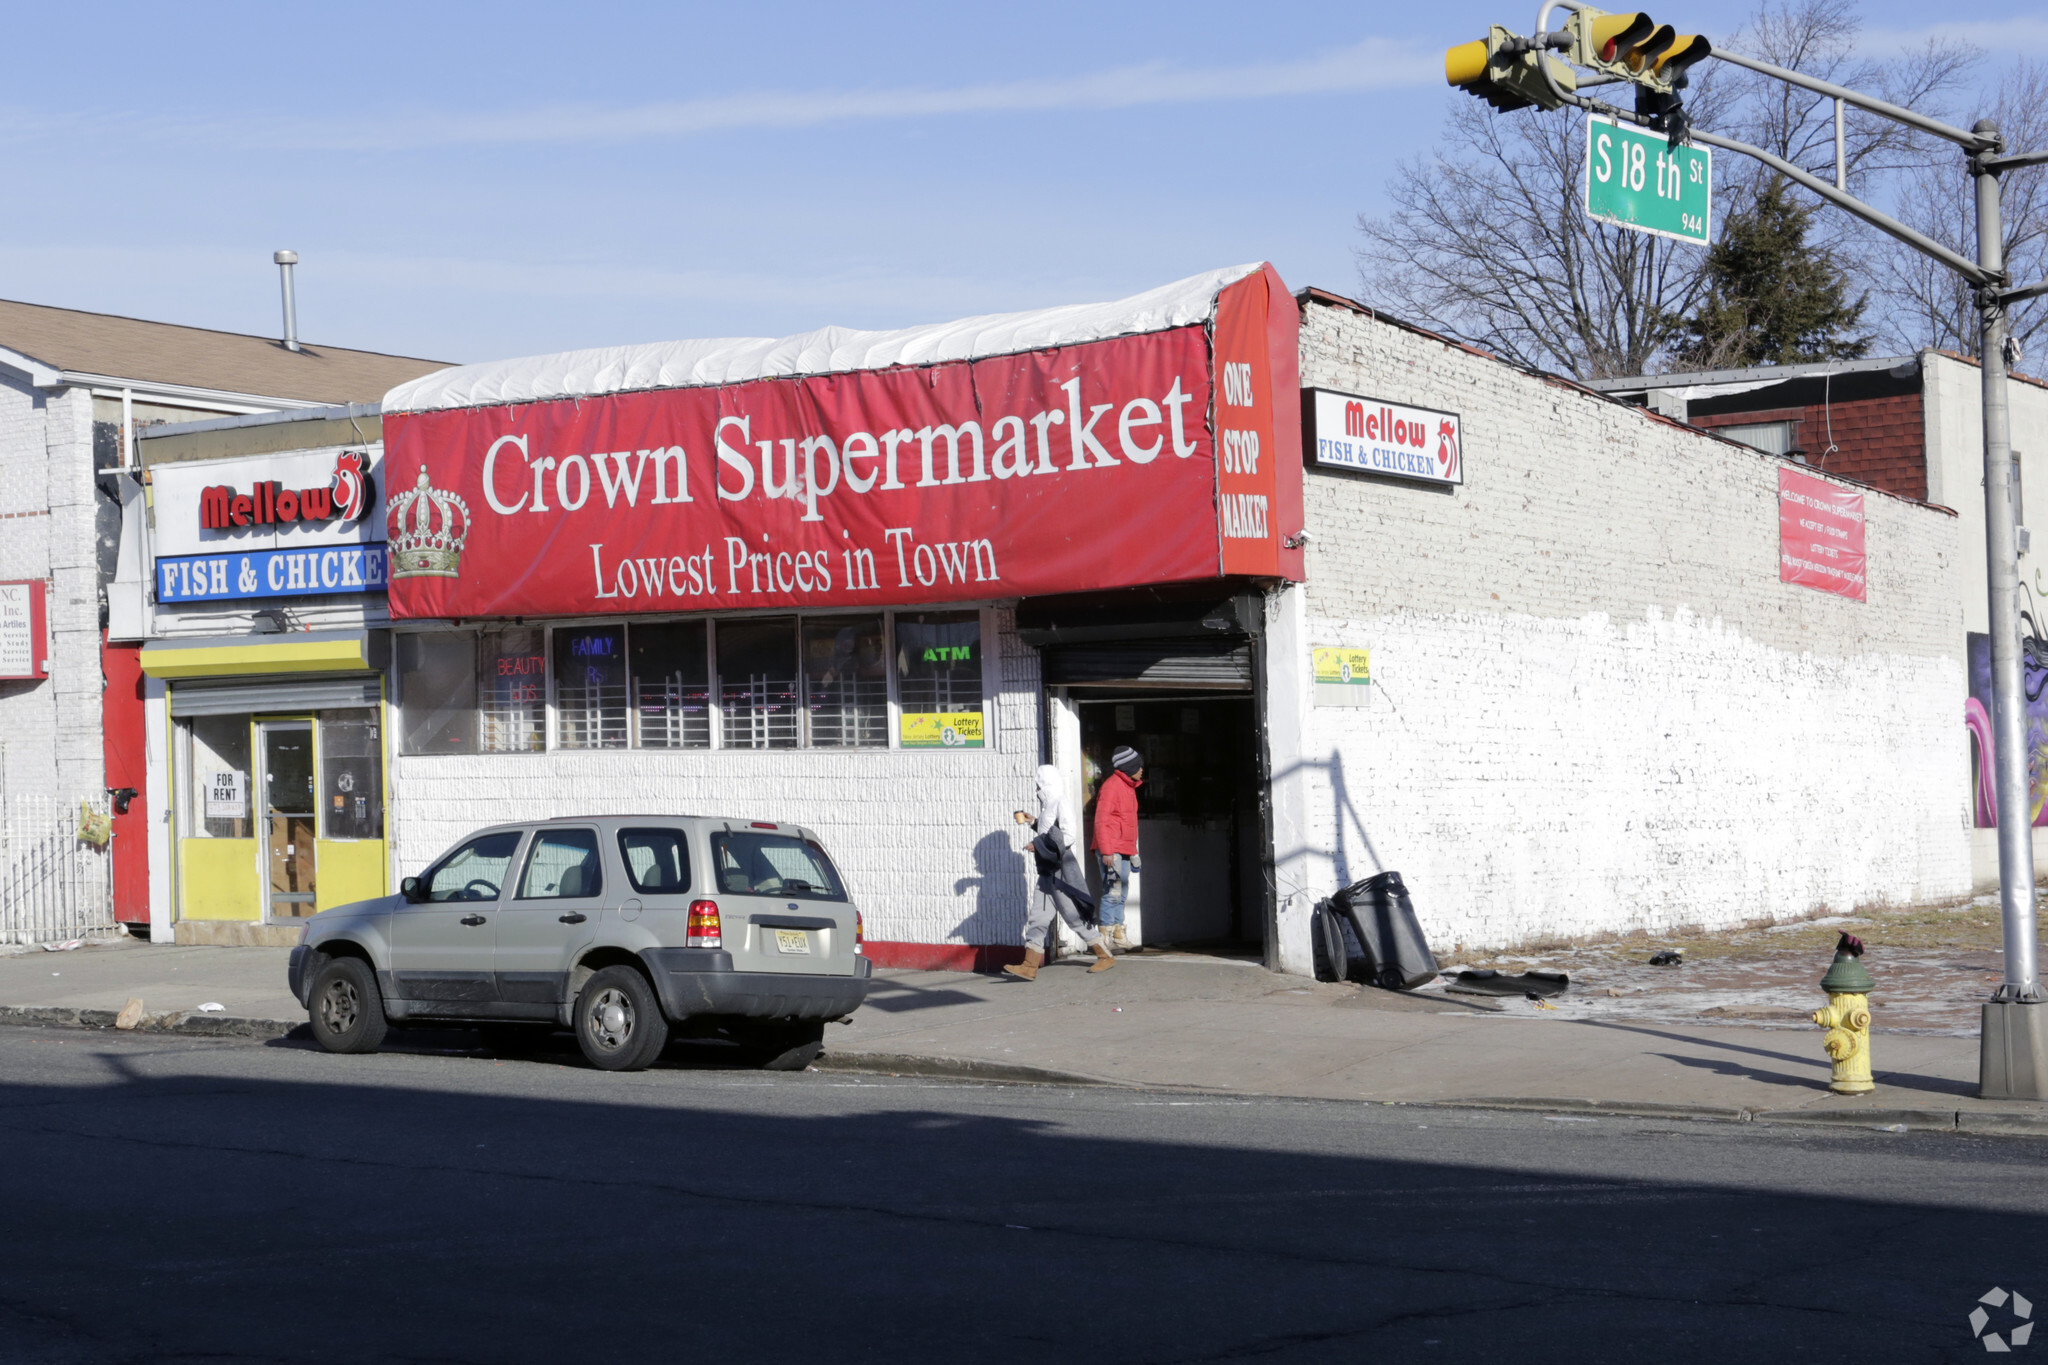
[(257, 720), (176, 812)]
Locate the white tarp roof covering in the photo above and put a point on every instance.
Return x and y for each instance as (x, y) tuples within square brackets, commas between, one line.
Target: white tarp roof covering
[(733, 360)]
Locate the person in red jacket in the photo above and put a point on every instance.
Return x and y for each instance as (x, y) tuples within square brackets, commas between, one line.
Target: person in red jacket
[(1116, 839)]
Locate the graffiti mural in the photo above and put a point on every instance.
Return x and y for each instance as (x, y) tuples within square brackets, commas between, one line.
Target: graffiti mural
[(1977, 719)]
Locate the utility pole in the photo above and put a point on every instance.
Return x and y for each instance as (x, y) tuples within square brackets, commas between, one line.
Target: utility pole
[(1512, 72), (2014, 1055)]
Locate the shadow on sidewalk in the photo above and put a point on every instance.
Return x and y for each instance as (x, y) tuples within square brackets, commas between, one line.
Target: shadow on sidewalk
[(1818, 1066)]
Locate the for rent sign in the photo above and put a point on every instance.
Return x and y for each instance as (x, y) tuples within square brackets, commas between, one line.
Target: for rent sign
[(1138, 459), (1374, 436), (1820, 534)]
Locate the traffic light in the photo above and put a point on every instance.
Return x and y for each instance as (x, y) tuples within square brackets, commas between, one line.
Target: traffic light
[(1501, 69), (1687, 50), (1636, 48)]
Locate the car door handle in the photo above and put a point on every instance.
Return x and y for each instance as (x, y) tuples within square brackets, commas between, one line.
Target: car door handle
[(472, 919), (573, 917)]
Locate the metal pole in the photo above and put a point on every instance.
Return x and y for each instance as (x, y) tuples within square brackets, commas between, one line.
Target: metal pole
[(285, 261), (2014, 1062), (1967, 141), (1921, 243), (1841, 151)]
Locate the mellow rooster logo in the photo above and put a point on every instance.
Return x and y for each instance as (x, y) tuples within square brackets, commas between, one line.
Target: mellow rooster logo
[(351, 485)]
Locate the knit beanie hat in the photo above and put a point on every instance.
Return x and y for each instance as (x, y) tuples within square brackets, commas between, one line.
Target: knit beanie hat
[(1126, 759)]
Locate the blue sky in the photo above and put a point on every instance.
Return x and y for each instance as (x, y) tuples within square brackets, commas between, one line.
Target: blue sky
[(474, 182)]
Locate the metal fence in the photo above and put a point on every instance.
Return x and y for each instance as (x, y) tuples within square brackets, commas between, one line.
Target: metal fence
[(54, 886)]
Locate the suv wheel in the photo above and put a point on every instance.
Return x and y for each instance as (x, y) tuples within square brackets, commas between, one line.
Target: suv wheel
[(619, 1024), (347, 1011)]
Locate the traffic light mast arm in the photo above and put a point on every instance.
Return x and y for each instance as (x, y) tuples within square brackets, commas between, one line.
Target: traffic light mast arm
[(2011, 162), (1974, 142), (1926, 246)]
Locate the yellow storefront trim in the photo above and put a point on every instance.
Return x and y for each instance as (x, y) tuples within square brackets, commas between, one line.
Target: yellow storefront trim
[(218, 879), (348, 870), (348, 655)]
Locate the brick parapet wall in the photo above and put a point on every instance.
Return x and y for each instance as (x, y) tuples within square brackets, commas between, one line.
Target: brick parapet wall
[(1878, 441)]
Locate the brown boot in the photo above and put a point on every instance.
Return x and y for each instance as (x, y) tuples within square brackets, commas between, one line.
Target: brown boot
[(1027, 970), (1104, 959)]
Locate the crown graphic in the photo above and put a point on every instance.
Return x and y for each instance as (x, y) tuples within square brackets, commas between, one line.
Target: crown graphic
[(427, 529)]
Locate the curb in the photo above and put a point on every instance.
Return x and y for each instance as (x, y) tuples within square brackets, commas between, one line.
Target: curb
[(178, 1021), (953, 1068), (1973, 1122), (1885, 1120), (1649, 1109)]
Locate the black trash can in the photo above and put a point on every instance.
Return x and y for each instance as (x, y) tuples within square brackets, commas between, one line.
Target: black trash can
[(1383, 918), (1338, 955)]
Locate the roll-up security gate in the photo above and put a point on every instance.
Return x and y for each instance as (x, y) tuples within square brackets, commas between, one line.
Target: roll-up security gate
[(279, 695), (1222, 664)]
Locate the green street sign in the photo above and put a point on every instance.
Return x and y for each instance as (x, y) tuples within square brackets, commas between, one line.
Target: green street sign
[(1637, 179)]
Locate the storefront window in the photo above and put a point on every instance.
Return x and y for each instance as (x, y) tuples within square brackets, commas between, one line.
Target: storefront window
[(671, 686), (590, 687), (846, 682), (757, 683), (437, 690), (220, 778), (514, 688), (938, 679), (351, 776)]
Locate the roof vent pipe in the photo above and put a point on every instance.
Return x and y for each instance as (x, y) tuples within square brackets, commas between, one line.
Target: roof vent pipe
[(285, 261)]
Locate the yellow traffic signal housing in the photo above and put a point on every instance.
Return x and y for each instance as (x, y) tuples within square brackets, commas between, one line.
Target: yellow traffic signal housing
[(1687, 50), (1634, 47), (1501, 69)]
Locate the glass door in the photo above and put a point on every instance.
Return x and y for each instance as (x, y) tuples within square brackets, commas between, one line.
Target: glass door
[(284, 751)]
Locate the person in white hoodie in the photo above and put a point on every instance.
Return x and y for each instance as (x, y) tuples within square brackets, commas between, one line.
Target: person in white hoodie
[(1060, 881)]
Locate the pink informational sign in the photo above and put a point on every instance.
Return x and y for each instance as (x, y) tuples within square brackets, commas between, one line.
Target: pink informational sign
[(24, 630), (1820, 534)]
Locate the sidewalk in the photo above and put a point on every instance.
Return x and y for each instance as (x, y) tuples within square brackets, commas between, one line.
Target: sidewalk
[(1210, 1025)]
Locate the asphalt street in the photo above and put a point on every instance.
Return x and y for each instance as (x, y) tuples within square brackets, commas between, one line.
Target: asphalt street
[(190, 1200)]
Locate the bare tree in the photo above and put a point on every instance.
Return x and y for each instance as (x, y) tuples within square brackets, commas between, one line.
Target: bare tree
[(1930, 304), (1488, 239), (1819, 38)]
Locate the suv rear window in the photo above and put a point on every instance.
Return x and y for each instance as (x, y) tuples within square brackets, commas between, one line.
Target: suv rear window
[(657, 860), (774, 865)]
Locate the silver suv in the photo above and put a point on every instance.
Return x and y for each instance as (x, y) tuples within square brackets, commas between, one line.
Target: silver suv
[(618, 927)]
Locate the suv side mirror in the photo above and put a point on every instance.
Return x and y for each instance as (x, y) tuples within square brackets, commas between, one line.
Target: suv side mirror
[(411, 889)]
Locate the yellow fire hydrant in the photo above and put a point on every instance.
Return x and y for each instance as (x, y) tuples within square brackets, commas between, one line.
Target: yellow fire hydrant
[(1847, 1018)]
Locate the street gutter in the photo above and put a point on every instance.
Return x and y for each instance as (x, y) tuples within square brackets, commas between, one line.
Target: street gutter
[(1977, 1123)]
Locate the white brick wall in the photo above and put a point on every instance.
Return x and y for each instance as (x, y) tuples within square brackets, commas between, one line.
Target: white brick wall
[(924, 839), (50, 733), (1596, 707), (1952, 396)]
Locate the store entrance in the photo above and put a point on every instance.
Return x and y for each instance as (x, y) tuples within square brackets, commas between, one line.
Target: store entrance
[(1201, 832), (290, 853), (278, 816)]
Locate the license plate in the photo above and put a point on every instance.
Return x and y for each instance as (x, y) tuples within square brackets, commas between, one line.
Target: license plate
[(792, 941)]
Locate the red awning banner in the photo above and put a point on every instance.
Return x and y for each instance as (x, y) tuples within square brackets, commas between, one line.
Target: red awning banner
[(1154, 457)]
